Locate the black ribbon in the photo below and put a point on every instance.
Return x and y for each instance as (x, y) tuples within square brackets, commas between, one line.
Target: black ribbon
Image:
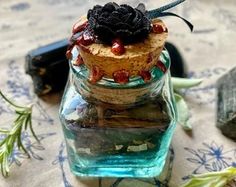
[(159, 12), (190, 25)]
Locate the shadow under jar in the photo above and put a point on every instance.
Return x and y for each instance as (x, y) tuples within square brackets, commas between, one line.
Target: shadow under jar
[(114, 130)]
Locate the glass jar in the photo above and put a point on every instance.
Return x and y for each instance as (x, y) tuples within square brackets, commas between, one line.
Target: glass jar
[(114, 130)]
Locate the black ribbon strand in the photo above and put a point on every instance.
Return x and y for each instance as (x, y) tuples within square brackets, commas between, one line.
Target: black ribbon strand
[(159, 12), (190, 25)]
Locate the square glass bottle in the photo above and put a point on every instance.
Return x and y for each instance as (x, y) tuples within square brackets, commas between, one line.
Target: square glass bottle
[(114, 130)]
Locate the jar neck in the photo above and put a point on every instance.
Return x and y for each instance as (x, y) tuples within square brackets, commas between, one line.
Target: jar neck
[(110, 92)]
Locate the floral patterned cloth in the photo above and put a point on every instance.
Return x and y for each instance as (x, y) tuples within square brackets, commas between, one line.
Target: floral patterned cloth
[(209, 52)]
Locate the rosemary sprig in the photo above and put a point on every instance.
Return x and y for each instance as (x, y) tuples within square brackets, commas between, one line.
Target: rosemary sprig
[(12, 136)]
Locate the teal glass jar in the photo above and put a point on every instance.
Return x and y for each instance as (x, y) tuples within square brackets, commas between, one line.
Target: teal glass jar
[(114, 130)]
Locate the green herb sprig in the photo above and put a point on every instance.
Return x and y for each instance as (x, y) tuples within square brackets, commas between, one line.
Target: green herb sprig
[(12, 136)]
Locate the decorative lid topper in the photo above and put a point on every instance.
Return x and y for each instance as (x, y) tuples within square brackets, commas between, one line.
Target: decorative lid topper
[(112, 21)]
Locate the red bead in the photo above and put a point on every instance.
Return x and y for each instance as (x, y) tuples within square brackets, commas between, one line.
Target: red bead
[(68, 54), (95, 75), (117, 47), (78, 27), (79, 61), (121, 76), (146, 75), (161, 66), (158, 29), (86, 38)]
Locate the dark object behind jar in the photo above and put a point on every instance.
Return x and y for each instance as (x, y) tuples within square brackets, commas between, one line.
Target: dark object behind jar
[(49, 68), (226, 104), (178, 67)]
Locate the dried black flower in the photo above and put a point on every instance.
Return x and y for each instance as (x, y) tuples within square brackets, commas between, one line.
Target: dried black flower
[(113, 21)]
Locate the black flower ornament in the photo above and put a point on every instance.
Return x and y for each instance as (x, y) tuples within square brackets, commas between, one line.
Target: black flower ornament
[(113, 21)]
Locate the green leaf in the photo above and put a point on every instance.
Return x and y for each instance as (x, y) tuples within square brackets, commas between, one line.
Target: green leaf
[(212, 179), (179, 83), (183, 112), (182, 108)]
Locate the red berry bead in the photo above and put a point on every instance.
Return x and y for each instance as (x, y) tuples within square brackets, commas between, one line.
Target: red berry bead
[(95, 74), (117, 47), (86, 38), (79, 61), (68, 54), (146, 75), (161, 66), (158, 29), (78, 27), (121, 76)]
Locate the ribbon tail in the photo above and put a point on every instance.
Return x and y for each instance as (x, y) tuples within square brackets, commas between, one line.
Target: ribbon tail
[(156, 12), (190, 25)]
